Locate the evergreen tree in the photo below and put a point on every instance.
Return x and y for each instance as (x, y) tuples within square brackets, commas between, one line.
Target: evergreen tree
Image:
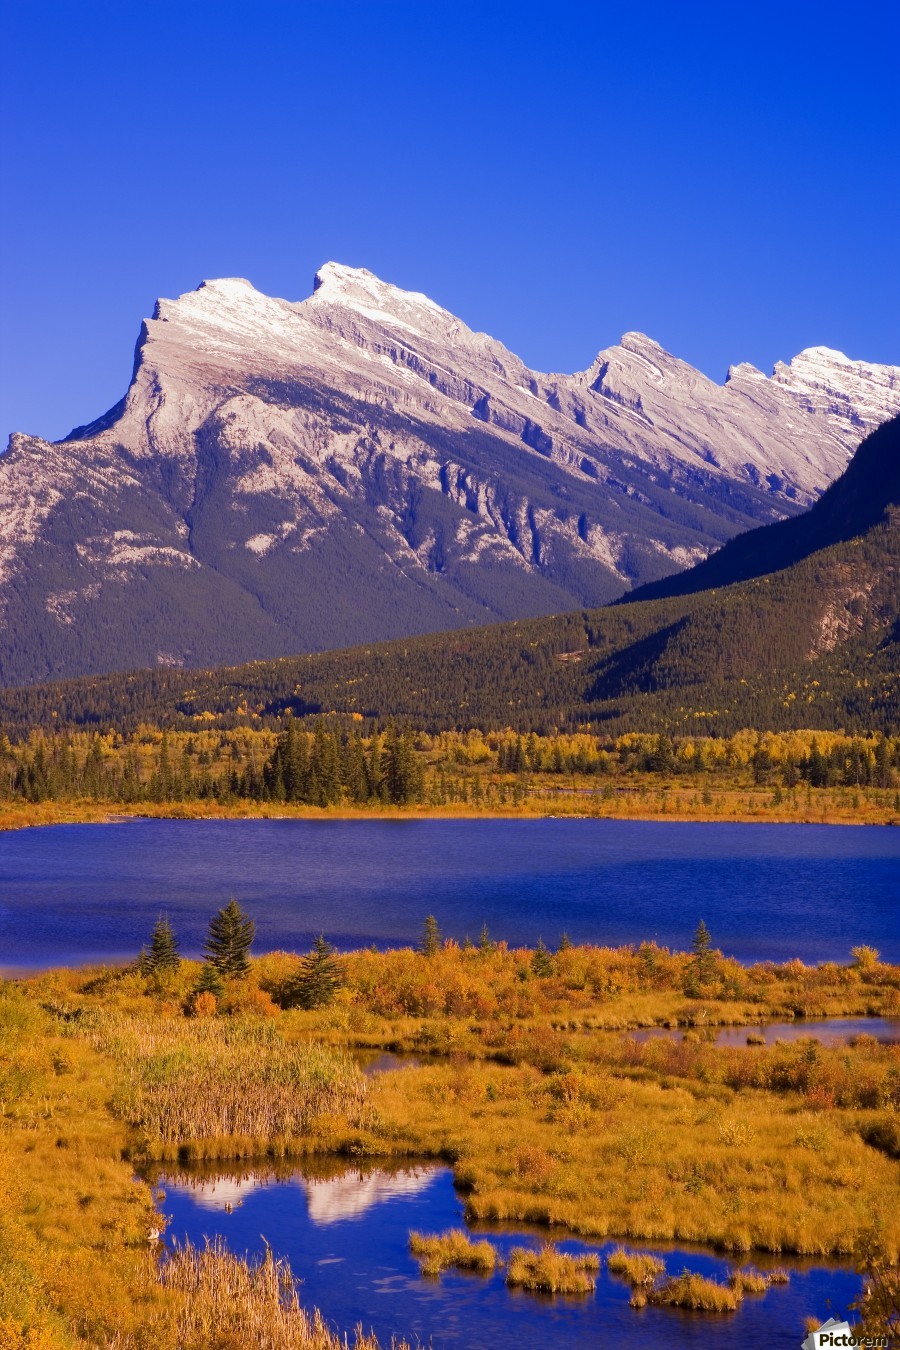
[(320, 977), (565, 943), (229, 940), (210, 981), (702, 949), (432, 940), (162, 954), (484, 940), (541, 961)]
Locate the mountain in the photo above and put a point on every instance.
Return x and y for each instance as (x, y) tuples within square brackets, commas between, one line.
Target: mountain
[(815, 644), (850, 507), (286, 477)]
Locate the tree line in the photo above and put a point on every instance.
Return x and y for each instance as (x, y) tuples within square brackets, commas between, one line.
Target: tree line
[(331, 763)]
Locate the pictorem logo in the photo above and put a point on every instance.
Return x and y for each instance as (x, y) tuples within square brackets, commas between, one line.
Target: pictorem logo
[(835, 1335)]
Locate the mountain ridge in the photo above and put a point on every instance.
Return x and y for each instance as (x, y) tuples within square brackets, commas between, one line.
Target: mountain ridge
[(299, 475)]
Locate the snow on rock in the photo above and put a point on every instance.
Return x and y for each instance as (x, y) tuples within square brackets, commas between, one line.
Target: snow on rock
[(369, 429)]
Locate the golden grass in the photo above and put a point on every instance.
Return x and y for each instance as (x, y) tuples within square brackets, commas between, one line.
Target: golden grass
[(749, 1281), (204, 1079), (73, 1220), (657, 1159), (546, 1117), (225, 1302), (639, 1269), (690, 1290), (550, 1271), (441, 1251)]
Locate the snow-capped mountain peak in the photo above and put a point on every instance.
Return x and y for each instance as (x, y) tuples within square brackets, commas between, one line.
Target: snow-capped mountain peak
[(296, 474)]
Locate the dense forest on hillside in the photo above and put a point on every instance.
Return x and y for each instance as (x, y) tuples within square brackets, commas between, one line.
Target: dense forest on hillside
[(814, 646)]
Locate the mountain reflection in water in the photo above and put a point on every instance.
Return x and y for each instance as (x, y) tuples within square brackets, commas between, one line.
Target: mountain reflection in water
[(350, 1196), (347, 1241)]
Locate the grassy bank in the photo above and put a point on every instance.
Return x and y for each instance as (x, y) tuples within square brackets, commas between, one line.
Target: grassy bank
[(676, 802), (527, 1083)]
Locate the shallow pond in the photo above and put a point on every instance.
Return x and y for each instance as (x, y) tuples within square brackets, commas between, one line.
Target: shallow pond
[(346, 1233), (830, 1031), (76, 893)]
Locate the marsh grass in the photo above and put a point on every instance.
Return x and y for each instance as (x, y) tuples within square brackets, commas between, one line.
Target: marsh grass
[(548, 1114), (550, 1271), (207, 1079), (751, 1281), (231, 1303), (689, 1290), (441, 1251), (639, 1269)]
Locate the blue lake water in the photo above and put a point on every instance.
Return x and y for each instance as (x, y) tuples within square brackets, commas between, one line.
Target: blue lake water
[(78, 893), (346, 1234)]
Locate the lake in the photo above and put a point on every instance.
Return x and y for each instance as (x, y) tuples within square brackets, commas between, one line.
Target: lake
[(345, 1233), (82, 893)]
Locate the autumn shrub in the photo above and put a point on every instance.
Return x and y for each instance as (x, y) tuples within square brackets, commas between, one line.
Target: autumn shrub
[(203, 1004)]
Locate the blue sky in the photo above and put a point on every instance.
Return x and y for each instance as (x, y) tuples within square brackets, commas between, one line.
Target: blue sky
[(724, 178)]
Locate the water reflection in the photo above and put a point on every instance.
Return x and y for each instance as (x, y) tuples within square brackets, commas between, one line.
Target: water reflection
[(346, 1230), (830, 1031), (349, 1196), (373, 1062)]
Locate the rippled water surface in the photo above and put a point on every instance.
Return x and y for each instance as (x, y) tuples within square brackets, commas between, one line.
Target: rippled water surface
[(346, 1235), (74, 893)]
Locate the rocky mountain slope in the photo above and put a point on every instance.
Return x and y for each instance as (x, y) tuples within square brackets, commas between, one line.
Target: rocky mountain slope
[(813, 644), (849, 508), (290, 476)]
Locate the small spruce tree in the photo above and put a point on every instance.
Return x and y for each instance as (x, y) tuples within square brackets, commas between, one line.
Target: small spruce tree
[(541, 961), (210, 981), (320, 976), (565, 943), (431, 941), (229, 941), (162, 954), (704, 961), (484, 940)]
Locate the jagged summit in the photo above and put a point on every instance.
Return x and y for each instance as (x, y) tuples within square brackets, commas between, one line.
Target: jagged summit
[(288, 475), (348, 285)]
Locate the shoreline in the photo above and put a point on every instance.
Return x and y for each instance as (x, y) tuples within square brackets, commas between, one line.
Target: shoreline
[(109, 813)]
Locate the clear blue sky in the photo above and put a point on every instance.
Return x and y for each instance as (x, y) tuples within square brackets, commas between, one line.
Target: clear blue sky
[(723, 177)]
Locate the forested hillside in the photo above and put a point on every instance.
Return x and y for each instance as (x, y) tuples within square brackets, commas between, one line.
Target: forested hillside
[(814, 645)]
